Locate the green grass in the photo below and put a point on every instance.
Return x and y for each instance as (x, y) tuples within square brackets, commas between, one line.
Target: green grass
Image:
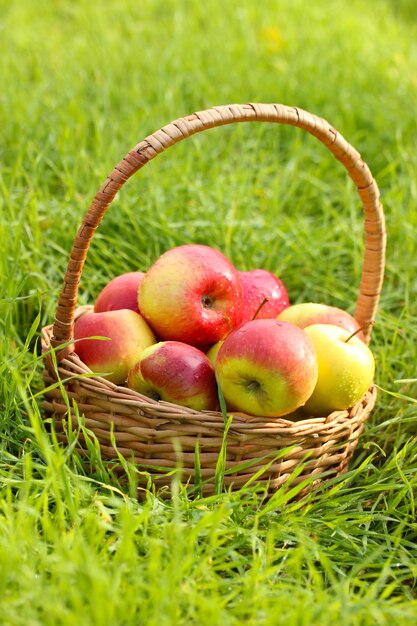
[(81, 83)]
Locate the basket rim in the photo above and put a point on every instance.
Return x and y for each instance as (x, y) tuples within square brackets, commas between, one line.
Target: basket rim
[(73, 368)]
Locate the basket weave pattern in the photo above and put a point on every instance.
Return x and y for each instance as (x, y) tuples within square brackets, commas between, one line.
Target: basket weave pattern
[(159, 434)]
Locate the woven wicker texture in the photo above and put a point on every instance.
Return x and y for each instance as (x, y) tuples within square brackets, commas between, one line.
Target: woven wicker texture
[(150, 432)]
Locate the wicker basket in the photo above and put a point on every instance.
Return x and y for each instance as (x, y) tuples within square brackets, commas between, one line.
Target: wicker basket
[(158, 436)]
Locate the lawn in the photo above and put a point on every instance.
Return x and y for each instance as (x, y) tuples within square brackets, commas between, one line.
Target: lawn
[(81, 84)]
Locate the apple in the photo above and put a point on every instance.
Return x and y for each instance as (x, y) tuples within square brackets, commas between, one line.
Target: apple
[(266, 368), (128, 335), (192, 294), (213, 351), (264, 295), (308, 313), (120, 293), (175, 372), (346, 369)]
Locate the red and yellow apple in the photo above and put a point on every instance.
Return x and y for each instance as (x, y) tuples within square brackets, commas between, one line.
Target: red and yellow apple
[(175, 372), (308, 313), (192, 294), (213, 351), (127, 335), (345, 369), (266, 368), (120, 293), (264, 295)]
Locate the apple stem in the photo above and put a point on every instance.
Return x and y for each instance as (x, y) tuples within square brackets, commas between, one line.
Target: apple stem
[(264, 301), (358, 331), (207, 302)]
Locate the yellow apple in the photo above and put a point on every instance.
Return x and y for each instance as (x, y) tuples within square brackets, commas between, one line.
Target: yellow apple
[(213, 351), (346, 368), (308, 313)]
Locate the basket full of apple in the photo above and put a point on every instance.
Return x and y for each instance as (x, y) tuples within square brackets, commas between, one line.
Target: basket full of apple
[(166, 357)]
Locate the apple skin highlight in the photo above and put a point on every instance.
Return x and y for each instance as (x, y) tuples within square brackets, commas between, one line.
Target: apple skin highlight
[(192, 294), (266, 368)]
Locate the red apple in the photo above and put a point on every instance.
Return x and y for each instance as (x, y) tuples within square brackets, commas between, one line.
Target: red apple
[(128, 335), (193, 294), (266, 368), (308, 313), (259, 285), (175, 372), (120, 293)]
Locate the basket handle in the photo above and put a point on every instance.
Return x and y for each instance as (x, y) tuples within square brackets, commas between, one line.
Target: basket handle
[(375, 235)]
